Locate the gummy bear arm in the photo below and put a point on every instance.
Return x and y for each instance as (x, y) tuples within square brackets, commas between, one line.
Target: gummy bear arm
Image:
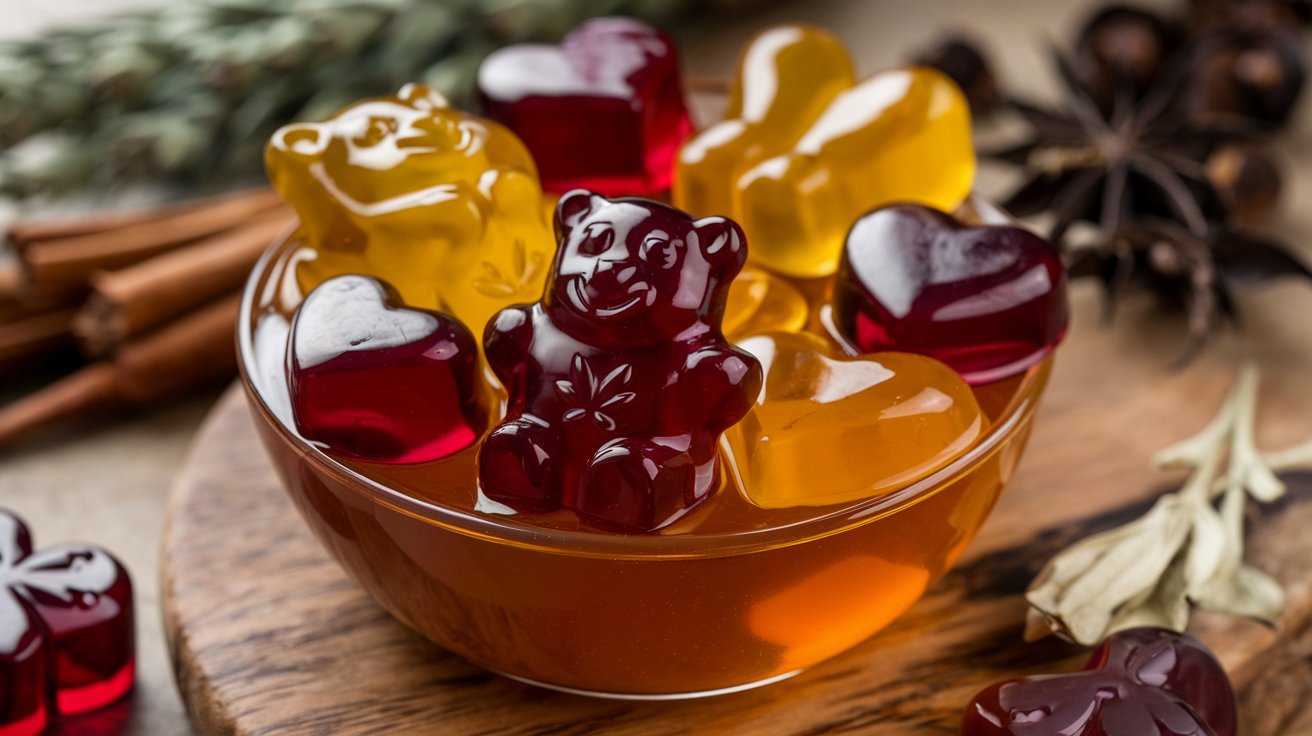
[(726, 382), (506, 340)]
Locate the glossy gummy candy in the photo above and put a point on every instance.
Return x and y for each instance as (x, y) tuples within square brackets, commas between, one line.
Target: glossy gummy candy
[(760, 302), (444, 206), (989, 301), (1140, 682), (66, 630), (603, 110), (830, 429), (805, 149), (620, 380), (376, 381)]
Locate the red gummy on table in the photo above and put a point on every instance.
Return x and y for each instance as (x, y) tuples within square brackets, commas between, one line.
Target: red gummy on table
[(1140, 682), (374, 380), (620, 380), (604, 110), (66, 630), (989, 301)]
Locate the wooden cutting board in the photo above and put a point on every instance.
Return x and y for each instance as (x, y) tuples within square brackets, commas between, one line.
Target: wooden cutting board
[(269, 636)]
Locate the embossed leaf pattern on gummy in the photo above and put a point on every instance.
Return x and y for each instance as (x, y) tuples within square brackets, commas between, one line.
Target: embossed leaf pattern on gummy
[(592, 398)]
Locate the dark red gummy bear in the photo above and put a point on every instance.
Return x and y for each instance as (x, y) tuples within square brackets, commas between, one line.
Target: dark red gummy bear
[(66, 630), (376, 381), (603, 111), (1140, 682), (988, 301), (620, 380)]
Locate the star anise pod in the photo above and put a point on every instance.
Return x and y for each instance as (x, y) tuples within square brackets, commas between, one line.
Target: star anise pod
[(1275, 14), (1199, 271), (1253, 72), (964, 61), (1110, 164), (1122, 48)]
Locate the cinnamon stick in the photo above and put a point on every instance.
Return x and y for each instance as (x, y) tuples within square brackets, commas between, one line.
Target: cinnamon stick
[(11, 277), (130, 301), (61, 266), (188, 354), (36, 334), (24, 232)]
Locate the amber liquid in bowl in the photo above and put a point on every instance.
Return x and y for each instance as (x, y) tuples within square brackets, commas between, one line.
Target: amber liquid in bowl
[(729, 596)]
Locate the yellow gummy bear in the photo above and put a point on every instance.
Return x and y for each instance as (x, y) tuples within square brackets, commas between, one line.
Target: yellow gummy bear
[(806, 149), (443, 205), (830, 429)]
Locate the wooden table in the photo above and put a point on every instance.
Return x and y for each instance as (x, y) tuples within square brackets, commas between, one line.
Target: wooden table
[(107, 482)]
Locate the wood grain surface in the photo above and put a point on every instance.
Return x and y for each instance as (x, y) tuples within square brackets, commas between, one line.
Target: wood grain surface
[(269, 636)]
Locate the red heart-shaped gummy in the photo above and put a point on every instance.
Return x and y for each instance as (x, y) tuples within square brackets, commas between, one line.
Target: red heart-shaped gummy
[(374, 380), (988, 301), (66, 630), (1140, 682), (602, 111)]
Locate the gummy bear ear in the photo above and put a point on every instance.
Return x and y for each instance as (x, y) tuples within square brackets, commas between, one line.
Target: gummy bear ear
[(575, 207), (422, 97), (721, 241), (304, 142)]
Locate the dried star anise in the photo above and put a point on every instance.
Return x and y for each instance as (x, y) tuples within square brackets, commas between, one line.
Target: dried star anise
[(1280, 14), (1154, 145), (1199, 271), (962, 59), (1109, 164), (1248, 181), (1124, 48), (1247, 71)]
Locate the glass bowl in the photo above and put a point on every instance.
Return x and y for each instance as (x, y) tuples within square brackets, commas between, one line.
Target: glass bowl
[(642, 616)]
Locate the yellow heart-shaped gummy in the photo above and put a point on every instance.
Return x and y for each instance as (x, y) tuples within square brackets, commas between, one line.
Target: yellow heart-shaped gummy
[(830, 429)]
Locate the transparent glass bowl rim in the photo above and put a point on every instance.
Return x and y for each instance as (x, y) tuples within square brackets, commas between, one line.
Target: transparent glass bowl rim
[(508, 530)]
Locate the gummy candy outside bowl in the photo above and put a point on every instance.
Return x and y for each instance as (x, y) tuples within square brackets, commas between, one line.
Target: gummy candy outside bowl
[(633, 616)]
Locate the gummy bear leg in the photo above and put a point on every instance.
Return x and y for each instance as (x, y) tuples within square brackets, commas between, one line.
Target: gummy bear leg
[(635, 485), (517, 465)]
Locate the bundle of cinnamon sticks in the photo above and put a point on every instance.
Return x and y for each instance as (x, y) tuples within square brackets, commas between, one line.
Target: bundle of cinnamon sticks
[(147, 299)]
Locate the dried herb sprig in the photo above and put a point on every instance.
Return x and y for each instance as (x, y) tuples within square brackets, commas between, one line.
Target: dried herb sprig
[(1185, 551), (192, 91)]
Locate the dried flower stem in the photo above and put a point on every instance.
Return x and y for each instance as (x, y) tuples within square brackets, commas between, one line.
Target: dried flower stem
[(1184, 551)]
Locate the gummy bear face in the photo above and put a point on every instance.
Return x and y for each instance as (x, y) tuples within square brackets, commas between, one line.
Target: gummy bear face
[(443, 205), (630, 273), (382, 162)]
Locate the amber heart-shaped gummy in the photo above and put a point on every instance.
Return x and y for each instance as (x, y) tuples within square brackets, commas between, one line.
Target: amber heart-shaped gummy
[(66, 630), (988, 301), (1140, 682), (828, 429), (602, 111), (373, 380)]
